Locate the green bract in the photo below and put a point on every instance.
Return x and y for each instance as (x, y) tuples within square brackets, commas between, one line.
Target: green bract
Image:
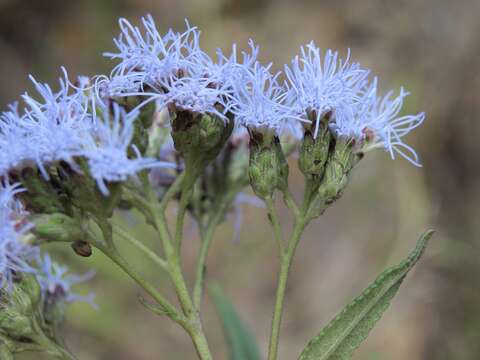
[(268, 168)]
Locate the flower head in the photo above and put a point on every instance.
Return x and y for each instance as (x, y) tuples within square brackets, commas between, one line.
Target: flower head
[(259, 100), (173, 70), (378, 124), (56, 282), (15, 256), (322, 85), (108, 145), (343, 90), (150, 59), (50, 129)]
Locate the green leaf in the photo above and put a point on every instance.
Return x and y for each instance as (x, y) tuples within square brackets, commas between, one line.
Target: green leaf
[(241, 343), (350, 328)]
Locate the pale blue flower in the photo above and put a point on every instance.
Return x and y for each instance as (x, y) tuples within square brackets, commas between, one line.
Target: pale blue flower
[(324, 84), (51, 128), (378, 124), (150, 59), (56, 282), (107, 147), (258, 100), (15, 145), (64, 125), (228, 69), (15, 256), (172, 70), (330, 84), (208, 86)]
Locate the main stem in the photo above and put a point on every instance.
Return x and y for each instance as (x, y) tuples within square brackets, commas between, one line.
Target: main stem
[(186, 194), (166, 306), (286, 261), (194, 326), (273, 217), (141, 247), (50, 346)]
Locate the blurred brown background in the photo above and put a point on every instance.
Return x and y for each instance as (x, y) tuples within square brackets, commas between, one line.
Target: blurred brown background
[(430, 46)]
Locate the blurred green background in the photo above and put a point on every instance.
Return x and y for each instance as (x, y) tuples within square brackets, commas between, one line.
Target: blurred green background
[(430, 46)]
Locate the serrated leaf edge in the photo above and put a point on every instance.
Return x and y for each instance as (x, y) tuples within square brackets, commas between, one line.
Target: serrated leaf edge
[(406, 265)]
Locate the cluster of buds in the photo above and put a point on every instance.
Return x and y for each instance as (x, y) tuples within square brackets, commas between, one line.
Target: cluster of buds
[(33, 305)]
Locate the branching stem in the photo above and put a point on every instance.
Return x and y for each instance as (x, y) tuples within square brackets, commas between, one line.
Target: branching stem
[(285, 263)]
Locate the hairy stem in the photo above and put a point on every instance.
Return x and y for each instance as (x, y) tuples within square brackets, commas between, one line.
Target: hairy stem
[(200, 342), (194, 327), (273, 217), (187, 192), (286, 262), (206, 238), (172, 190), (140, 246), (290, 202), (50, 346), (166, 306), (155, 212)]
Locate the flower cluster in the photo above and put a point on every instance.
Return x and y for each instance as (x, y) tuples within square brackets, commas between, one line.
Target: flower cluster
[(173, 70), (56, 282), (17, 256), (107, 148), (92, 127), (170, 122), (48, 130), (331, 85)]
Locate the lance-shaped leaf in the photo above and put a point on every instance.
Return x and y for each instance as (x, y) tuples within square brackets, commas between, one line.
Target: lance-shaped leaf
[(349, 329), (241, 343)]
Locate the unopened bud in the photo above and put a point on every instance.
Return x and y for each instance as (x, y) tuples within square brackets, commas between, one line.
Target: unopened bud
[(268, 169), (158, 134), (314, 151), (199, 138), (41, 196), (19, 306), (335, 179), (57, 227), (54, 306)]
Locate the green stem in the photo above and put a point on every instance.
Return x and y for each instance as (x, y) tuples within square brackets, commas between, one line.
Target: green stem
[(172, 190), (140, 246), (107, 231), (173, 262), (187, 191), (273, 216), (62, 353), (50, 346), (156, 213), (206, 238), (190, 320), (194, 326), (109, 249), (200, 342), (5, 353), (290, 202), (286, 262), (310, 187), (166, 306)]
